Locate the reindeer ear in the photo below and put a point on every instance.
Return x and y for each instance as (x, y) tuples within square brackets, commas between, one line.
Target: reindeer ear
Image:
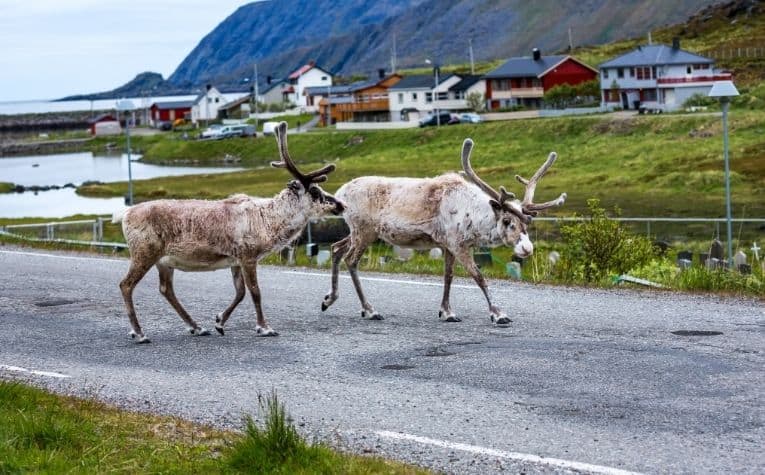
[(495, 206)]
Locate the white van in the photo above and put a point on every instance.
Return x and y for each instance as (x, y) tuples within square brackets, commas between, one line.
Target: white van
[(269, 127)]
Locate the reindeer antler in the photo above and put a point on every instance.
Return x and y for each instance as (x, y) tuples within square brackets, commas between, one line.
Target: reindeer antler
[(306, 179), (528, 205), (501, 196)]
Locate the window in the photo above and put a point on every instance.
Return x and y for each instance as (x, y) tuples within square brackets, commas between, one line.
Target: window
[(632, 72), (649, 95), (620, 73), (428, 97), (688, 70), (605, 74), (324, 78), (400, 97), (643, 72), (414, 96)]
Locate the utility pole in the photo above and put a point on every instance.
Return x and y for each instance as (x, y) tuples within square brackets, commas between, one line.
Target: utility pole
[(570, 41), (650, 41), (470, 46), (435, 98), (393, 56), (256, 100)]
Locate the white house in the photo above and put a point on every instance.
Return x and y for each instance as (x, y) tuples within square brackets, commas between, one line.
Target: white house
[(656, 77), (205, 106), (412, 98), (308, 75)]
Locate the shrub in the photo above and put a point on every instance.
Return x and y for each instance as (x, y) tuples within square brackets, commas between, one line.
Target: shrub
[(476, 101), (599, 246), (699, 100)]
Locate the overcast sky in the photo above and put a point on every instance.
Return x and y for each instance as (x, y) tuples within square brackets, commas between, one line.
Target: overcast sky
[(56, 48)]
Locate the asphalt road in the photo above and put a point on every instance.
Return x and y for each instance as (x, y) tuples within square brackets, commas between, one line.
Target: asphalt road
[(584, 380)]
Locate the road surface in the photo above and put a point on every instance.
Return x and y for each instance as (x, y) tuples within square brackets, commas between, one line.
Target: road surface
[(584, 380)]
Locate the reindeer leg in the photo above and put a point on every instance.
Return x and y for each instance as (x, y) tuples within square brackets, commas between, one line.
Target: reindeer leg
[(249, 272), (446, 314), (352, 261), (465, 257), (220, 319), (338, 252), (138, 269), (166, 289)]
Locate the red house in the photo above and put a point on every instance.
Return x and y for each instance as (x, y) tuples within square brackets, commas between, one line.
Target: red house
[(169, 111), (523, 81)]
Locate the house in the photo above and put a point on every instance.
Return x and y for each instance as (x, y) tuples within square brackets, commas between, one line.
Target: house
[(274, 91), (206, 105), (104, 124), (308, 75), (457, 94), (237, 109), (522, 81), (169, 111), (412, 97), (657, 77), (362, 101)]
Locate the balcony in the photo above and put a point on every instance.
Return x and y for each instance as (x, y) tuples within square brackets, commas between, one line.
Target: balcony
[(518, 92), (694, 79)]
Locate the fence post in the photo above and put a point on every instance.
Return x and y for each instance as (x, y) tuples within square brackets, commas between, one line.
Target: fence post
[(49, 232), (100, 229), (648, 229)]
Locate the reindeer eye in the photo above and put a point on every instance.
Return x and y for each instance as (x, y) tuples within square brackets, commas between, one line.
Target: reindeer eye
[(508, 222)]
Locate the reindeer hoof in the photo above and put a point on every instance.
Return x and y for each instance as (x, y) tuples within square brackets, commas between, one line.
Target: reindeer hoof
[(500, 319), (266, 332), (371, 316), (324, 306), (217, 318), (199, 331), (448, 317), (139, 338), (219, 329)]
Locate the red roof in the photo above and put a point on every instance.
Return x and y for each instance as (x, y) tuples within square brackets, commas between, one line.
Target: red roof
[(302, 70)]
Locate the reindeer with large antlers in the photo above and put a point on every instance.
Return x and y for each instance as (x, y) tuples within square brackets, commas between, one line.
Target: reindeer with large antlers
[(448, 212), (199, 235)]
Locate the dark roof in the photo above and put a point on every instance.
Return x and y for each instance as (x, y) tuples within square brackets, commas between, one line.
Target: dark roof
[(102, 118), (173, 105), (466, 83), (340, 89), (655, 55), (525, 66), (419, 81), (237, 102)]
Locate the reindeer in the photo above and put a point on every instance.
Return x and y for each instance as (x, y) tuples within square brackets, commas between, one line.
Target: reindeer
[(448, 212), (199, 235)]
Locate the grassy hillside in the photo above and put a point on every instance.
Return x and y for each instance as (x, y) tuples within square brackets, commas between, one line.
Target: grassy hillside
[(668, 165), (716, 31)]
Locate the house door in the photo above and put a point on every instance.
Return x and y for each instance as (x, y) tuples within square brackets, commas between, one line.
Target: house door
[(625, 101)]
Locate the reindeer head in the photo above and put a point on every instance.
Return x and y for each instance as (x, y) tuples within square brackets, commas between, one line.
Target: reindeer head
[(512, 215), (306, 185)]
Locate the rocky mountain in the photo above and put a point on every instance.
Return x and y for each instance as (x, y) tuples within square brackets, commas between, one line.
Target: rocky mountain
[(357, 36)]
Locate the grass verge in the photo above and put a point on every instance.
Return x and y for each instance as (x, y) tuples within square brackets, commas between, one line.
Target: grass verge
[(45, 433)]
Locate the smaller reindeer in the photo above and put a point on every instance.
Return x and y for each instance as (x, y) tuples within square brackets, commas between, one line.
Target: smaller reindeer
[(199, 235), (448, 212)]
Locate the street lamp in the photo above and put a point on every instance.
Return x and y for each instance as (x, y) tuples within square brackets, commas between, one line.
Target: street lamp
[(724, 90), (127, 107), (436, 70)]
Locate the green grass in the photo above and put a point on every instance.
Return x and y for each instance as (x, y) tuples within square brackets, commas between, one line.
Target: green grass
[(45, 433), (647, 165), (6, 187)]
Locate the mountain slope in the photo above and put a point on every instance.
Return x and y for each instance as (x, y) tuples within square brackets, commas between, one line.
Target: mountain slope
[(355, 36)]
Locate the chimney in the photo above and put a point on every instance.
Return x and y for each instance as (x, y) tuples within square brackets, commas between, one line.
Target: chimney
[(675, 43), (268, 79), (381, 73), (536, 54)]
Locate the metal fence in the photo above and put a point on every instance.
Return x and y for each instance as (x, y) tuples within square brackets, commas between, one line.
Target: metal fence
[(89, 232), (730, 53)]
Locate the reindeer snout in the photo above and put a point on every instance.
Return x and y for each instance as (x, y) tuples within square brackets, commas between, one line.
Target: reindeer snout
[(524, 247)]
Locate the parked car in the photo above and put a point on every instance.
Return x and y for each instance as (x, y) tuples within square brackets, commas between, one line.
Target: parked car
[(211, 132), (217, 131), (471, 118), (165, 125), (268, 127), (445, 118)]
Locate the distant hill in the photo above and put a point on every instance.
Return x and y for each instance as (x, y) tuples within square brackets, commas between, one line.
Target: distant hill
[(144, 84)]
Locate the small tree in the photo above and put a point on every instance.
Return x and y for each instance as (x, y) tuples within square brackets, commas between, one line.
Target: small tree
[(600, 246), (476, 101)]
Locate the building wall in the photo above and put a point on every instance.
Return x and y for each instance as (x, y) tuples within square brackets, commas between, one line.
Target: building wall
[(568, 72), (400, 99), (314, 77), (206, 108)]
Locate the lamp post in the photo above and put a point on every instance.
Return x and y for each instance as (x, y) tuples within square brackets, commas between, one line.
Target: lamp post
[(436, 70), (127, 107), (724, 90)]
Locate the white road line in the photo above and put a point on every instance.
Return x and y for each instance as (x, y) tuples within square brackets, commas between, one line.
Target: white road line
[(560, 463), (18, 369), (382, 279), (57, 256)]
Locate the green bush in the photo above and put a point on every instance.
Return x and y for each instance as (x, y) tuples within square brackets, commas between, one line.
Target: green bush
[(699, 100), (599, 246)]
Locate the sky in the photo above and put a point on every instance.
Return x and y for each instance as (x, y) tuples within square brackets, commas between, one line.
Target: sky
[(55, 48)]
